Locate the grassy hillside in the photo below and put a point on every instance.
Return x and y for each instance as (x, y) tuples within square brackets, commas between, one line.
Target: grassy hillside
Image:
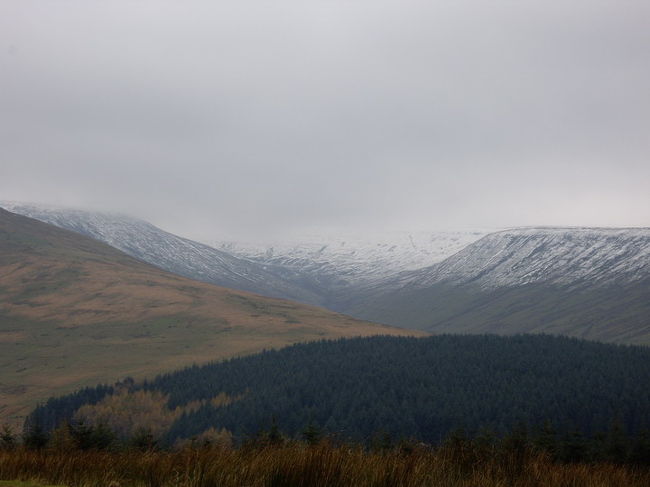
[(75, 312), (616, 313)]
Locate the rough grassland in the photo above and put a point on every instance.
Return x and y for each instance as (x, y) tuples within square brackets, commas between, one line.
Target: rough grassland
[(18, 483), (300, 465)]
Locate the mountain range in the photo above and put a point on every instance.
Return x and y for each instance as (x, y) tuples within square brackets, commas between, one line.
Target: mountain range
[(355, 259), (322, 269), (588, 282), (75, 311), (340, 267), (172, 253)]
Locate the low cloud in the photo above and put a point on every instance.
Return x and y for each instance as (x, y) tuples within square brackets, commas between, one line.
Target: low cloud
[(259, 118)]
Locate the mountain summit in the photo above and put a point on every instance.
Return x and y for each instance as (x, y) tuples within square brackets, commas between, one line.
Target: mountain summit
[(560, 256)]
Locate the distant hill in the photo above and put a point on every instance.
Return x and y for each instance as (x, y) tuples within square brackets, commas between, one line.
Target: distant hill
[(337, 264), (75, 311), (587, 282), (422, 388), (319, 269), (172, 253)]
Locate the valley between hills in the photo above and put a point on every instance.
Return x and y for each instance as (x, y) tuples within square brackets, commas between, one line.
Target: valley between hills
[(75, 312), (592, 283), (92, 297)]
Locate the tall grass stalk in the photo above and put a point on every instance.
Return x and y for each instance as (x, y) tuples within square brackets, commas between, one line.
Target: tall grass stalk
[(299, 465)]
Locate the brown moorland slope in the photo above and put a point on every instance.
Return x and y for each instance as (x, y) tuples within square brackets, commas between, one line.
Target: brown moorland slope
[(76, 312)]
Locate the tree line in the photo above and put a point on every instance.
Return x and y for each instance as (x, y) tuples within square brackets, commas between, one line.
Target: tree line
[(421, 389), (519, 444)]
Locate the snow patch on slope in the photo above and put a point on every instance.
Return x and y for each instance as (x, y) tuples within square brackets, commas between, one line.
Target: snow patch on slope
[(355, 259), (563, 256), (150, 244)]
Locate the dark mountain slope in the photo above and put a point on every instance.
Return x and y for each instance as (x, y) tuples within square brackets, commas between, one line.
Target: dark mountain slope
[(590, 283)]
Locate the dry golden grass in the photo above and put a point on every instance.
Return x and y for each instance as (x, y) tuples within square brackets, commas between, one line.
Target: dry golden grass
[(126, 412), (299, 465)]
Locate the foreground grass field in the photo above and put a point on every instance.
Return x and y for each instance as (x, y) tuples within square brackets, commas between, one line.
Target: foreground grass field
[(18, 483), (313, 466)]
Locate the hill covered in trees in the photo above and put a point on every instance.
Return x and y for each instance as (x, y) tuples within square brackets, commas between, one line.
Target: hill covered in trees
[(420, 388)]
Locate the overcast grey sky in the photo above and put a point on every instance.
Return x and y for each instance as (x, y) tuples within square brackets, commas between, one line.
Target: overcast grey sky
[(256, 118)]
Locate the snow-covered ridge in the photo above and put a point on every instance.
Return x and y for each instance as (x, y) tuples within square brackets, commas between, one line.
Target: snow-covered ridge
[(563, 256), (150, 244), (355, 259), (330, 270), (315, 268)]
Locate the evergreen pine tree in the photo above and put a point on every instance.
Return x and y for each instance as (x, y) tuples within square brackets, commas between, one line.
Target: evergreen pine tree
[(381, 442), (616, 445), (573, 448), (35, 437), (7, 438), (143, 440), (312, 433), (640, 451), (83, 435), (275, 437), (546, 440), (102, 437)]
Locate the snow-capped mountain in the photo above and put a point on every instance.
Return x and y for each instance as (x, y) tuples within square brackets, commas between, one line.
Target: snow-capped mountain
[(351, 260), (562, 256), (323, 270), (150, 244), (588, 282)]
